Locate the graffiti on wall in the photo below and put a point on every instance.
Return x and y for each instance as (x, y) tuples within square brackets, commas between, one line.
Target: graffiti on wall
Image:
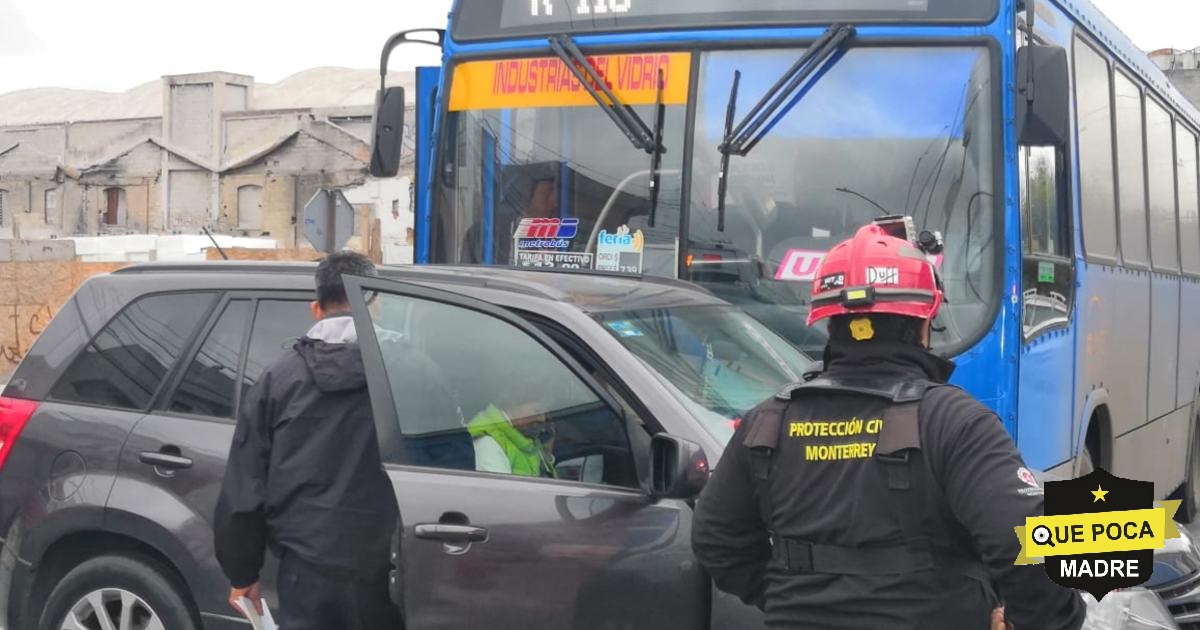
[(23, 324)]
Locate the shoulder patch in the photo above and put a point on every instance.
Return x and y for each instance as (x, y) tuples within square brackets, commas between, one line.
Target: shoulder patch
[(1026, 475), (1032, 487)]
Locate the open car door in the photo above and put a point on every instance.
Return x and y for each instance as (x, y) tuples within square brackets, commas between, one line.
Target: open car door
[(520, 479)]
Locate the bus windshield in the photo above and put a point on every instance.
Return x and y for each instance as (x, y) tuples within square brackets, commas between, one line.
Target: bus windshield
[(534, 173), (884, 131)]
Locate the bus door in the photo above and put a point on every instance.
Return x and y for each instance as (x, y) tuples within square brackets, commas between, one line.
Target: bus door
[(1046, 387)]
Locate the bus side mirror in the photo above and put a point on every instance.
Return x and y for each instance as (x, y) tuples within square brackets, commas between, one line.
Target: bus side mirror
[(1043, 96), (388, 133)]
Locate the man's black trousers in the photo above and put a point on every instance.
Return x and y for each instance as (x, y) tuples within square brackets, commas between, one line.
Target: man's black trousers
[(316, 598)]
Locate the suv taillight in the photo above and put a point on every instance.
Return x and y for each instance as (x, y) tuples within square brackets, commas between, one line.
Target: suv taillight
[(14, 413)]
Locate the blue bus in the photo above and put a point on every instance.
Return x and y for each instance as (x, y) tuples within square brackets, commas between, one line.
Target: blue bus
[(731, 144)]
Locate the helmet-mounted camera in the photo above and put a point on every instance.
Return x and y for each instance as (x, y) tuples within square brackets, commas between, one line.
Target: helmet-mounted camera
[(902, 228)]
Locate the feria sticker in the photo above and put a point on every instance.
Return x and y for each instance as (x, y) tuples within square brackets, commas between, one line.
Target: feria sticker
[(620, 251)]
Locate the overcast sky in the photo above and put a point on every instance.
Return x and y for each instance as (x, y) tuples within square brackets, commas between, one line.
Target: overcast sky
[(118, 44)]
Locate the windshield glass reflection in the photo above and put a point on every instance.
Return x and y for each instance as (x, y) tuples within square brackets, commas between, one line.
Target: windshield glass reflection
[(717, 361), (883, 130)]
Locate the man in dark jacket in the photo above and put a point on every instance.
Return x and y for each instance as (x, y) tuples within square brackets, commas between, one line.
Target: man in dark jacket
[(304, 477), (874, 495)]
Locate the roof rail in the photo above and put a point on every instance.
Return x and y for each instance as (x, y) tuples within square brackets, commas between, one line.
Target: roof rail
[(254, 266), (453, 274)]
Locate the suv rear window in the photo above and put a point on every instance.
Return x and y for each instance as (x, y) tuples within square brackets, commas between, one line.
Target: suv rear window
[(124, 365)]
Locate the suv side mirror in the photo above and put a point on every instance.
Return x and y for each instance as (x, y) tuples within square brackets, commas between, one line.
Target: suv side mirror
[(388, 134), (678, 467), (1043, 96)]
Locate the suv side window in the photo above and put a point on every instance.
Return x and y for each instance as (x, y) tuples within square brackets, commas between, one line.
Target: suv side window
[(278, 325), (208, 386), (124, 365), (473, 392)]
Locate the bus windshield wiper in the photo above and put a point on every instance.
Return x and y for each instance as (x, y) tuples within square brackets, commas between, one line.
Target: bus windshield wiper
[(660, 112), (623, 115), (766, 112)]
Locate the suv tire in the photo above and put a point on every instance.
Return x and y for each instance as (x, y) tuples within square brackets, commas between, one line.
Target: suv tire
[(116, 583)]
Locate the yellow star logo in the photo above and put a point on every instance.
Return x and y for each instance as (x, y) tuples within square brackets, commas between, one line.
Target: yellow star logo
[(1099, 493)]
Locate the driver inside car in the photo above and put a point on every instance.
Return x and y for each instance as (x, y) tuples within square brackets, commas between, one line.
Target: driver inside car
[(518, 440)]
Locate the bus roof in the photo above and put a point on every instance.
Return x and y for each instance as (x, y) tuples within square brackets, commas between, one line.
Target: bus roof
[(1106, 33)]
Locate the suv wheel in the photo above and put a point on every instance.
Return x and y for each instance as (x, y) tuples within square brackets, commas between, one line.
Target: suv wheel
[(117, 593)]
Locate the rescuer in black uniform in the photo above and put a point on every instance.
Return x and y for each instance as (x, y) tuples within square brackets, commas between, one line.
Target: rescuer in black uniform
[(874, 496), (304, 477)]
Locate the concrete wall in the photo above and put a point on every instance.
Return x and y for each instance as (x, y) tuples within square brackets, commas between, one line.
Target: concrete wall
[(188, 200), (144, 160), (142, 209), (25, 160), (360, 128), (283, 198), (192, 118), (91, 142), (25, 207), (390, 208), (277, 205), (1188, 82), (289, 177), (30, 214), (40, 147), (246, 134), (306, 154)]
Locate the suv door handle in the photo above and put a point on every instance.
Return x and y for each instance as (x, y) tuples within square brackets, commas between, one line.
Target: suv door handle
[(165, 459), (450, 533)]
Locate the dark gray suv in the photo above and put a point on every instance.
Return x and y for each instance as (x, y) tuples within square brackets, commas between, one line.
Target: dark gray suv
[(116, 426)]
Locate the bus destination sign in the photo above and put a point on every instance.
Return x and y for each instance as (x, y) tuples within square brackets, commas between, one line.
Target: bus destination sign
[(530, 12), (546, 81), (494, 19)]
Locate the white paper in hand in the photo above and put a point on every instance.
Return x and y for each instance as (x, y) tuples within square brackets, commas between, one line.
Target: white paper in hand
[(264, 622)]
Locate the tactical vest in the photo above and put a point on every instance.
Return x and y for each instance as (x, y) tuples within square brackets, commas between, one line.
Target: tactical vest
[(913, 492)]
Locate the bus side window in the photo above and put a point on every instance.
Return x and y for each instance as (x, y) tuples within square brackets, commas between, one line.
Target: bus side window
[(1045, 238)]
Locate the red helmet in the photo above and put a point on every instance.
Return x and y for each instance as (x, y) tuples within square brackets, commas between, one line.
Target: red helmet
[(875, 272)]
